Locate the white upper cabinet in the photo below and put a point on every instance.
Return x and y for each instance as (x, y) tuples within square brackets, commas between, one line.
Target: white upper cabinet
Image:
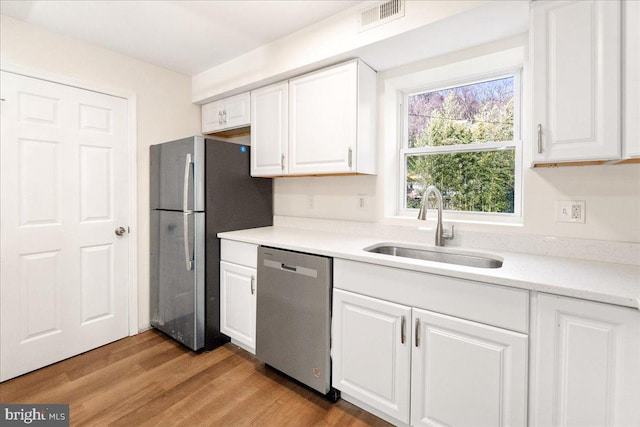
[(631, 83), (327, 125), (225, 114), (575, 51), (586, 364), (332, 120), (270, 130), (212, 116)]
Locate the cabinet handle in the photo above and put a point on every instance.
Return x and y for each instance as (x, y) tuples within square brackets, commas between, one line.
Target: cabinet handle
[(539, 138), (403, 326), (220, 117), (417, 337), (350, 156), (253, 287), (224, 116), (282, 162)]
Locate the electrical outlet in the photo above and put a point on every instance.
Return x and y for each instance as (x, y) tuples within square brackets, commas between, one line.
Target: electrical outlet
[(570, 211), (576, 212), (362, 201)]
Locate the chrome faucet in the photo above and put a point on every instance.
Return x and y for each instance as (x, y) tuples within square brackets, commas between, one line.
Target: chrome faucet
[(422, 214)]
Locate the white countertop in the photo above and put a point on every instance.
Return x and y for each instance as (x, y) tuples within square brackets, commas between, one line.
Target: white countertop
[(597, 281)]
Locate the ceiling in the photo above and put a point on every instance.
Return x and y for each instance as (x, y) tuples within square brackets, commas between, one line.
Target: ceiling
[(181, 35)]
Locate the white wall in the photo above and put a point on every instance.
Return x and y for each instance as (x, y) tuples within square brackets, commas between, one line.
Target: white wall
[(339, 37), (164, 108), (611, 193)]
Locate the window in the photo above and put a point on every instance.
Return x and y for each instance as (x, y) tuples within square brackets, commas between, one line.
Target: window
[(464, 138)]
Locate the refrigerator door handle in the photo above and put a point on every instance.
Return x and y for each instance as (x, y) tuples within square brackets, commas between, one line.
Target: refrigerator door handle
[(185, 192), (187, 248)]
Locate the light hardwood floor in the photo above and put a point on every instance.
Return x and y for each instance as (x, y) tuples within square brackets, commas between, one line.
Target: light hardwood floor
[(149, 380)]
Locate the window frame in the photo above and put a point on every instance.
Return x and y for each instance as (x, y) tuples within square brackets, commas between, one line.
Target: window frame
[(509, 63), (515, 144)]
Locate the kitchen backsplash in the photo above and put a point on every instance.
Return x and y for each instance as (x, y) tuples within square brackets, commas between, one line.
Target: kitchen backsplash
[(587, 249)]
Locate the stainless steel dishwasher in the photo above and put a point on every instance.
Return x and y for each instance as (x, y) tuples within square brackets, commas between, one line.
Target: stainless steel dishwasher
[(293, 332)]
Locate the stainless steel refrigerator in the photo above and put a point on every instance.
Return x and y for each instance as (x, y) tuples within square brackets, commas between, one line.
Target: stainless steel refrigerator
[(199, 187)]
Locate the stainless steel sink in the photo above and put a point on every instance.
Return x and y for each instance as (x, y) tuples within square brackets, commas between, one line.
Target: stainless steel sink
[(469, 259)]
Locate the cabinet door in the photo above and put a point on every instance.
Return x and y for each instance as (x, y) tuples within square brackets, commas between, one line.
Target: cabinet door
[(237, 111), (586, 364), (212, 116), (323, 121), (631, 91), (269, 130), (466, 373), (238, 304), (371, 352), (576, 80)]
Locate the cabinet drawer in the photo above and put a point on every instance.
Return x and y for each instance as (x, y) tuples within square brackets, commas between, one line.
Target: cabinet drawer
[(240, 253), (480, 302)]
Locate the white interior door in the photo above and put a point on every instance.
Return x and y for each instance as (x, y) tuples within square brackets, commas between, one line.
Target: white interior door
[(65, 191)]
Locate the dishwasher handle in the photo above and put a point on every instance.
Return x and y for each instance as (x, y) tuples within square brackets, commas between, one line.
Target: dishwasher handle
[(288, 267), (297, 269)]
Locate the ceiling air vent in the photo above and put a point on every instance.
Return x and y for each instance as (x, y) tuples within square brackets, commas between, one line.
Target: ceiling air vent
[(381, 14)]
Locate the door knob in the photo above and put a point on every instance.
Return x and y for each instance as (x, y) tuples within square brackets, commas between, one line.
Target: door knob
[(120, 231)]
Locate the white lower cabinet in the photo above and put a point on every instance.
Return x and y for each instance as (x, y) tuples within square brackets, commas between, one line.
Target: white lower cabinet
[(238, 287), (371, 352), (238, 304), (585, 364), (427, 369), (466, 374)]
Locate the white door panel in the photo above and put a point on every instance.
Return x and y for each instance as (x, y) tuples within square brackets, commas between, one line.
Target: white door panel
[(575, 55), (323, 121), (586, 364), (238, 304), (371, 352), (270, 130), (466, 373), (65, 189)]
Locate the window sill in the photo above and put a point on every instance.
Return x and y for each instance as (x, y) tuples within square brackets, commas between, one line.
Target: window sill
[(457, 219)]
